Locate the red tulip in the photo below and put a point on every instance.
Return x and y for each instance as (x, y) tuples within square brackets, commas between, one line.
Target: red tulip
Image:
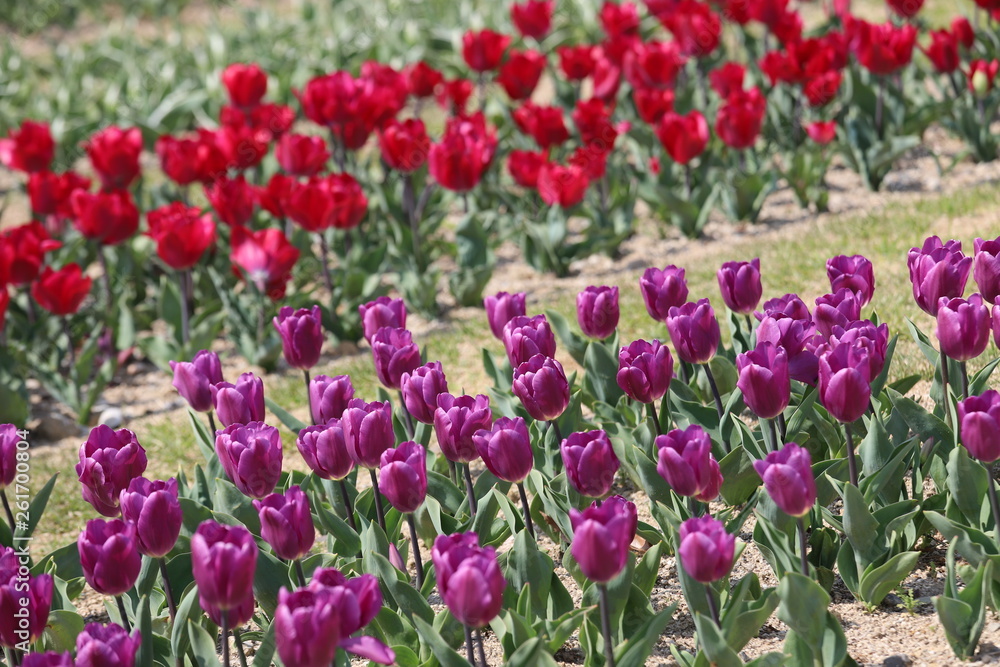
[(422, 79), (883, 48), (739, 120), (106, 217), (114, 153), (618, 19), (273, 196), (61, 292), (29, 149), (695, 26), (607, 78), (454, 95), (22, 252), (51, 194), (233, 200), (483, 50), (532, 18), (963, 31), (943, 51), (593, 121), (4, 302), (524, 167), (342, 103), (822, 89), (404, 144), (651, 103), (545, 124), (264, 258), (727, 79), (563, 186), (520, 74), (683, 137), (182, 234), (981, 76), (245, 83), (653, 64), (576, 62), (335, 200), (191, 159), (466, 149), (822, 132), (302, 155), (906, 8)]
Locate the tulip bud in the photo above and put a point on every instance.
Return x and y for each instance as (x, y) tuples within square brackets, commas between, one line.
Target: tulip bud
[(250, 455), (109, 460), (469, 578), (103, 645), (541, 385), (246, 84), (601, 537), (836, 310), (394, 353), (456, 420), (329, 397), (9, 439), (788, 479), (301, 334), (403, 476), (706, 550), (979, 425), (645, 370), (590, 462), (223, 561), (764, 380), (844, 384), (363, 596), (787, 306), (501, 309), (368, 431), (694, 331), (307, 627), (382, 312), (239, 403), (324, 449), (864, 334), (286, 523), (854, 273), (740, 285), (685, 461), (937, 269), (663, 290), (524, 337), (194, 379), (963, 327), (597, 311), (156, 512), (506, 449), (790, 335), (986, 270), (109, 555), (421, 388), (25, 601)]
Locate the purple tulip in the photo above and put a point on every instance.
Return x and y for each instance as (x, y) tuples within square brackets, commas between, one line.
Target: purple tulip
[(501, 309), (694, 331), (48, 659), (109, 460), (979, 425), (235, 617), (764, 380), (307, 627), (403, 476), (239, 403), (963, 327), (789, 305), (662, 290), (469, 578), (301, 334), (685, 460), (329, 396), (421, 388), (645, 370), (194, 379), (286, 523), (541, 385), (740, 285), (937, 270), (368, 431), (362, 598), (25, 601), (791, 336), (597, 311), (996, 322), (223, 561), (251, 457), (394, 354), (788, 479), (986, 271), (456, 420), (524, 337), (844, 384), (155, 510), (590, 462), (382, 312), (836, 310), (863, 333), (109, 555), (602, 535), (852, 272), (706, 550), (506, 449), (9, 439), (324, 449), (106, 646)]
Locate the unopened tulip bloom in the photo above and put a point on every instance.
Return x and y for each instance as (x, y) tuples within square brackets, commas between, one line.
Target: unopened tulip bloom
[(239, 403), (836, 310), (62, 292), (456, 420), (740, 285), (855, 273), (307, 623), (368, 431), (421, 388), (694, 331), (9, 439), (532, 18), (597, 311), (382, 312), (501, 308), (250, 455), (963, 327), (48, 659), (602, 535), (403, 476), (764, 379), (706, 550), (329, 396), (506, 449), (325, 450), (394, 354), (987, 268), (979, 425), (29, 148), (301, 334), (265, 258), (109, 460), (109, 555), (193, 379), (469, 578), (154, 508), (114, 153), (590, 462), (937, 269), (109, 218), (362, 596), (484, 49), (685, 462), (541, 385), (108, 645), (223, 561), (302, 155), (286, 523), (645, 370), (844, 384), (663, 290), (25, 601), (787, 306), (524, 337), (182, 234), (246, 84), (864, 334), (788, 479)]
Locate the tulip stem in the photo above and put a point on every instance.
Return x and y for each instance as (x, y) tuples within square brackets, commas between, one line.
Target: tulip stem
[(479, 646), (965, 379), (609, 648), (470, 651), (749, 327), (655, 417), (852, 465), (6, 508), (994, 503), (783, 427), (71, 351), (527, 511), (417, 560), (225, 637), (348, 510), (944, 389), (715, 392), (300, 573), (378, 502), (211, 422), (773, 427), (167, 590), (555, 428), (238, 640), (185, 310), (407, 417), (802, 547), (11, 655), (473, 505), (685, 373), (453, 472), (694, 506), (123, 614), (713, 609), (309, 398), (324, 256)]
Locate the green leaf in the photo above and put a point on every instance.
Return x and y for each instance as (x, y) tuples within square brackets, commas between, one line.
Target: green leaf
[(803, 607), (265, 652), (636, 649), (37, 507), (61, 630), (205, 440), (187, 608), (967, 480), (878, 582), (271, 575), (714, 644), (921, 422), (145, 618), (446, 655), (860, 526), (202, 645), (293, 423), (532, 653), (739, 479)]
